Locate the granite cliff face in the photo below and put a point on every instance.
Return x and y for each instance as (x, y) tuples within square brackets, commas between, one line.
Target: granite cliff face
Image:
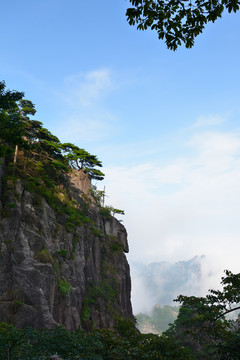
[(54, 273)]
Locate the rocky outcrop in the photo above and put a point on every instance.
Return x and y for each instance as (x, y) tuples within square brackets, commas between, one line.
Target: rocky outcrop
[(52, 273), (80, 181)]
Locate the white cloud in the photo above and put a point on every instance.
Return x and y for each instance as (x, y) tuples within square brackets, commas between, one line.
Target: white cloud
[(81, 130), (83, 118), (195, 284), (141, 299), (207, 121), (86, 88), (188, 207)]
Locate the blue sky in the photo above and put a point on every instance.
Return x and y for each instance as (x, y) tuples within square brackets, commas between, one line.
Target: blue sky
[(165, 124)]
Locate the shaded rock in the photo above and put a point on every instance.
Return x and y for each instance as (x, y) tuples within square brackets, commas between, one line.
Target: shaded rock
[(50, 275)]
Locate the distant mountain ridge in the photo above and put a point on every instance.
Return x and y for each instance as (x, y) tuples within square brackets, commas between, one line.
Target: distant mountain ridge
[(161, 283), (158, 320), (164, 281)]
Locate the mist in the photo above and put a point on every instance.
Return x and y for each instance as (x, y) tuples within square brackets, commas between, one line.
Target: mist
[(181, 206), (160, 283)]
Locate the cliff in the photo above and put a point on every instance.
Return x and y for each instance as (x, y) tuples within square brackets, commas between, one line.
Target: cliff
[(60, 267)]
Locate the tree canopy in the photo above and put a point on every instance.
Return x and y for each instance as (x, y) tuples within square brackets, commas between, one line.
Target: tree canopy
[(11, 126), (82, 160), (17, 130), (177, 21), (203, 326)]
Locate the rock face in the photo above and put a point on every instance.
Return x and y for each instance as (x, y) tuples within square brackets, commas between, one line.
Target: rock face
[(50, 274), (2, 170)]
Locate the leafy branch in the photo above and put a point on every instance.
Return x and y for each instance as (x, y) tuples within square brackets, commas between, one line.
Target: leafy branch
[(177, 22)]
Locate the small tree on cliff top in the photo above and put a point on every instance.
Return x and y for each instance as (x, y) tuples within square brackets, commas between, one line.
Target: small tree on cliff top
[(82, 160), (18, 130), (11, 127)]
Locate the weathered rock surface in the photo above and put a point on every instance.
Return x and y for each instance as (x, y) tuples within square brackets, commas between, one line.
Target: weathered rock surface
[(50, 275), (2, 170)]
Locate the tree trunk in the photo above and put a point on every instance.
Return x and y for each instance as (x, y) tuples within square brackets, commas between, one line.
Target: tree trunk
[(15, 154)]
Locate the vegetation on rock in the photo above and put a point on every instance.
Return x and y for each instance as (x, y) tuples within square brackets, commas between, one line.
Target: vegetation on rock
[(42, 150), (40, 160), (65, 234), (36, 157)]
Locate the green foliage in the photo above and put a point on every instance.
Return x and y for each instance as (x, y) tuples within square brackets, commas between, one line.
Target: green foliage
[(11, 340), (217, 303), (11, 128), (125, 327), (12, 205), (74, 216), (108, 211), (86, 311), (82, 160), (116, 246), (201, 330), (41, 161), (123, 344), (64, 287), (17, 304), (9, 98), (201, 324), (106, 290), (57, 165), (97, 232), (117, 211), (44, 257), (63, 253), (19, 132), (98, 196), (175, 21), (103, 290)]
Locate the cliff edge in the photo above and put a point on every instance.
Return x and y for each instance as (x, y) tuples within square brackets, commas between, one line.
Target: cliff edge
[(60, 265)]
